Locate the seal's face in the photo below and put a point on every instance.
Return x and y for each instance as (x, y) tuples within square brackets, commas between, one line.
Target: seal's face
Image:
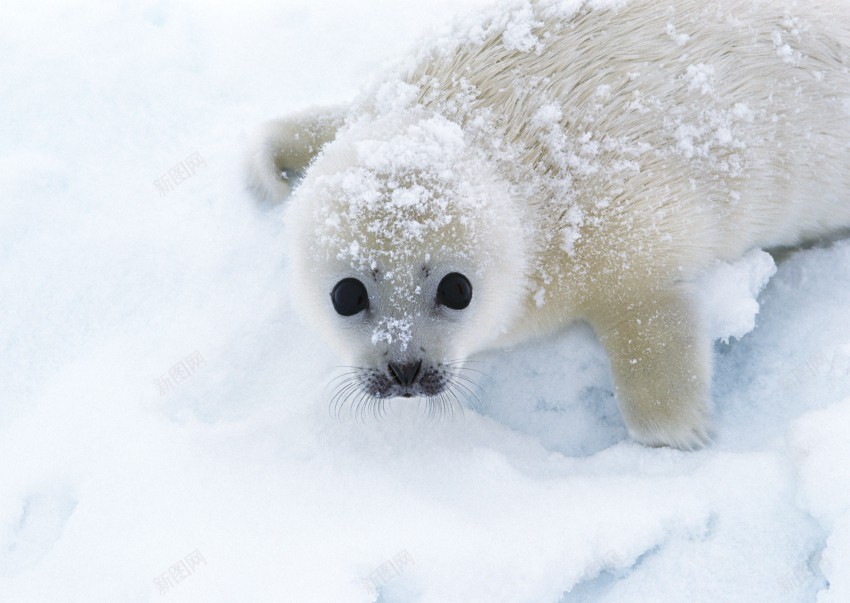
[(405, 375), (408, 255)]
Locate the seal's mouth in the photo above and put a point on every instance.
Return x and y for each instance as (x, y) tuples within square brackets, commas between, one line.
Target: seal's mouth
[(409, 380), (442, 387)]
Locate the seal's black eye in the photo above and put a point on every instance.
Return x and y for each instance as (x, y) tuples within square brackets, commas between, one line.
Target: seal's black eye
[(454, 291), (349, 297)]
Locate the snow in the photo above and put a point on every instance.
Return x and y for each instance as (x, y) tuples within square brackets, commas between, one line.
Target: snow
[(818, 442), (160, 401), (518, 33), (729, 294)]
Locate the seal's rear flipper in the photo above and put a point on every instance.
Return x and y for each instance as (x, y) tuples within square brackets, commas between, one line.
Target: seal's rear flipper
[(283, 148)]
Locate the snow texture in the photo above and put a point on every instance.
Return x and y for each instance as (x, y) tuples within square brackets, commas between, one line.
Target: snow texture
[(164, 432)]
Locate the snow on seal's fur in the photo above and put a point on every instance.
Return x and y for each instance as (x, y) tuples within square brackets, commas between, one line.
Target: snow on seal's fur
[(580, 161)]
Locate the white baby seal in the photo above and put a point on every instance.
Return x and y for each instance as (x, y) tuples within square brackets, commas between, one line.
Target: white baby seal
[(554, 161)]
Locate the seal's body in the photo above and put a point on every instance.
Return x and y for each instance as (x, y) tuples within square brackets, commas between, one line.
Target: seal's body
[(547, 163)]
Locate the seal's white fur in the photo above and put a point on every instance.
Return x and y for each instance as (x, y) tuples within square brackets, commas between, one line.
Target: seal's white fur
[(577, 160)]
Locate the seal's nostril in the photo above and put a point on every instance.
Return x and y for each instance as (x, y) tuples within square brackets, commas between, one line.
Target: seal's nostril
[(406, 373)]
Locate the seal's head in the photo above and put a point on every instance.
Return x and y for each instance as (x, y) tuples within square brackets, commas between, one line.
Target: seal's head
[(408, 252)]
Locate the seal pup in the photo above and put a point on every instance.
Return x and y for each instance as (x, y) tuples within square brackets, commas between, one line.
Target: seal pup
[(550, 161)]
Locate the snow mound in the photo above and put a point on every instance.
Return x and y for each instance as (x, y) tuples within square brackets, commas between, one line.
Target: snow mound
[(820, 449), (728, 294)]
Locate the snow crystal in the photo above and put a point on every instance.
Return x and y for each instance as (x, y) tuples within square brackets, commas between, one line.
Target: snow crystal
[(540, 297), (571, 232), (394, 96), (784, 50), (548, 115), (391, 329), (603, 91), (742, 111), (518, 33), (679, 38), (700, 78)]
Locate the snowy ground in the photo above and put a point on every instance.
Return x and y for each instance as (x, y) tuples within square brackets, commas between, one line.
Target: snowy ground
[(160, 403)]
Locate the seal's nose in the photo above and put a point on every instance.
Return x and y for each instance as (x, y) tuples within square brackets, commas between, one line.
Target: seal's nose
[(406, 373)]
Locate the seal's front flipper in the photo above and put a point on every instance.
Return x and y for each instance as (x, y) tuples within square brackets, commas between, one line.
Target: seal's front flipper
[(283, 148), (661, 365)]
